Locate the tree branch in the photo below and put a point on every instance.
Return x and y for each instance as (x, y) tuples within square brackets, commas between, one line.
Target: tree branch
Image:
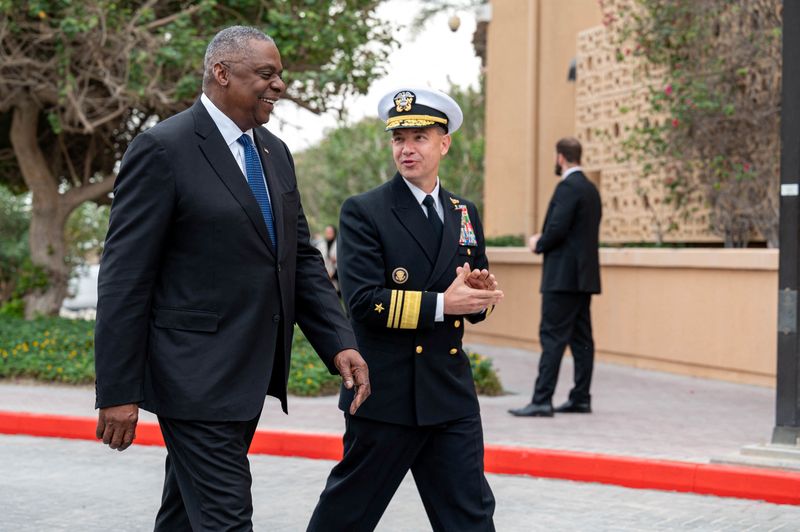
[(72, 198)]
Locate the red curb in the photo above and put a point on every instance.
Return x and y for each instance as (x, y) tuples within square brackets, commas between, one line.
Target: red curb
[(708, 479)]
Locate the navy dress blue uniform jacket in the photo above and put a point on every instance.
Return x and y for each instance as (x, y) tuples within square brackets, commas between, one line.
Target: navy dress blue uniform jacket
[(390, 271), (193, 296)]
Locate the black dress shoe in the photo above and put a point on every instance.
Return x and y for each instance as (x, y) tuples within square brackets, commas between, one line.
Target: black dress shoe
[(533, 410), (571, 407)]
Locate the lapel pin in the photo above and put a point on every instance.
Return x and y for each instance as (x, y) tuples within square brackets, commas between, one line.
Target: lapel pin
[(266, 151)]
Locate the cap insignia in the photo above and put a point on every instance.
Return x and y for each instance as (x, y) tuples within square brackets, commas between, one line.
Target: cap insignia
[(403, 101)]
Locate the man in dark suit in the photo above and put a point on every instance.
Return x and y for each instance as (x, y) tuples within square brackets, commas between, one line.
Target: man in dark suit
[(412, 267), (570, 275), (206, 268)]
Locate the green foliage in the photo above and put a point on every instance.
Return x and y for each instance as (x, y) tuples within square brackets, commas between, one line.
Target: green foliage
[(355, 158), (719, 64), (347, 161), (62, 350), (47, 349), (461, 170), (18, 275), (506, 241), (85, 232), (308, 375), (87, 77), (486, 380)]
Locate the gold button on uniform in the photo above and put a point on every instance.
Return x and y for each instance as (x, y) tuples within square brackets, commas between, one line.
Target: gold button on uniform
[(457, 324), (453, 351), (419, 349)]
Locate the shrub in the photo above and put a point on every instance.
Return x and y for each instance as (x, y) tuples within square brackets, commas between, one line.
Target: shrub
[(47, 349), (486, 380), (506, 241), (62, 350), (308, 375)]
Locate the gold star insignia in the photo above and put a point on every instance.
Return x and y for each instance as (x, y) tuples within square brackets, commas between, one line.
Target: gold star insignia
[(379, 308)]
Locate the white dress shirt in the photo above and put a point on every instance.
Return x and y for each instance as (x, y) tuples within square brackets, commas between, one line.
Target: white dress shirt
[(231, 133), (571, 170)]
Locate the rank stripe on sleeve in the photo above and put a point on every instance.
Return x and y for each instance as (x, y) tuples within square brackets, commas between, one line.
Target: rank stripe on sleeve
[(410, 318), (404, 309), (392, 304)]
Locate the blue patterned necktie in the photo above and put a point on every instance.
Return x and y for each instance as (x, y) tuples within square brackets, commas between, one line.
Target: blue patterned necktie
[(255, 178)]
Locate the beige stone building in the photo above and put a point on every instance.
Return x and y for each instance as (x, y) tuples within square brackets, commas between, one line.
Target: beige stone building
[(705, 312), (532, 101)]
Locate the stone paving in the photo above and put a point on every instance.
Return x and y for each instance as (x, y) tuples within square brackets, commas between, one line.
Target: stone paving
[(636, 412), (64, 485), (50, 484)]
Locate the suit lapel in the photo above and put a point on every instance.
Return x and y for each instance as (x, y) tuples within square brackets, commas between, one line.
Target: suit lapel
[(410, 214), (275, 191), (450, 237), (221, 160)]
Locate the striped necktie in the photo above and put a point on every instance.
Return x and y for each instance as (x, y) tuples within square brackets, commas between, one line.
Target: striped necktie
[(255, 178)]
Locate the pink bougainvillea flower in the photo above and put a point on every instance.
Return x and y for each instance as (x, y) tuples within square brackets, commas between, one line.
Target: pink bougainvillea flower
[(668, 90), (675, 122)]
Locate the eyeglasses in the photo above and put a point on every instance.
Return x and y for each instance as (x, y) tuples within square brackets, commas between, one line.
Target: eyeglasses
[(267, 74)]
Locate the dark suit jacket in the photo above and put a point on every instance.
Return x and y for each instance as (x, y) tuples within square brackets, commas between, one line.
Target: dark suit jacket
[(390, 271), (193, 298), (569, 238)]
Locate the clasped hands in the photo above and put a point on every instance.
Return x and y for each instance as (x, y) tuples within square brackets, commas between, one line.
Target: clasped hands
[(471, 291)]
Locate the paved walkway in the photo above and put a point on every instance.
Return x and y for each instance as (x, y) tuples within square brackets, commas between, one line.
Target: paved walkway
[(636, 412), (67, 485)]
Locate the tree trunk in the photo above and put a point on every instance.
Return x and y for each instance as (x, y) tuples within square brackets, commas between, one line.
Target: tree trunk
[(51, 209), (46, 235), (48, 251)]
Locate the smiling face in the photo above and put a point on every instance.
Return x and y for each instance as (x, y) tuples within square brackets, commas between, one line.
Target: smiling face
[(249, 86), (417, 152)]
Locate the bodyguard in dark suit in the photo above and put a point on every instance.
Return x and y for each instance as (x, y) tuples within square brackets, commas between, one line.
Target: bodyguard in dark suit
[(570, 275), (412, 267), (206, 268)]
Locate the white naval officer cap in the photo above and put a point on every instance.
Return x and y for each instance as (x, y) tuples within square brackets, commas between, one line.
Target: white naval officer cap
[(415, 107)]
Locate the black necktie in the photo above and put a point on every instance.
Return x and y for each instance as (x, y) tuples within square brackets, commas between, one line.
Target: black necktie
[(433, 218)]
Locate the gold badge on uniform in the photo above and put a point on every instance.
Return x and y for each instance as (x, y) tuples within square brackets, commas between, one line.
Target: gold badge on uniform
[(379, 308), (400, 275)]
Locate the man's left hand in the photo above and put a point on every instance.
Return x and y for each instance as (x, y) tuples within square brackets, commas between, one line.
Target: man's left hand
[(354, 371), (479, 279)]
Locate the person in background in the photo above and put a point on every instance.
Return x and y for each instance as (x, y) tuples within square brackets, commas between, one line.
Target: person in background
[(570, 275), (327, 247)]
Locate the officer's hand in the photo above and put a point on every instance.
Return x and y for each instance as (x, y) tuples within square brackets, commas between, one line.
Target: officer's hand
[(354, 371), (460, 299), (116, 425), (479, 279)]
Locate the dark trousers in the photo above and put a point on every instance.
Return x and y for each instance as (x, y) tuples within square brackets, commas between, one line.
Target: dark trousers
[(207, 476), (566, 321), (446, 461)]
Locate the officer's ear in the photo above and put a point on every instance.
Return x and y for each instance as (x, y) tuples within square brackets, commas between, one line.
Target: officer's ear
[(445, 146)]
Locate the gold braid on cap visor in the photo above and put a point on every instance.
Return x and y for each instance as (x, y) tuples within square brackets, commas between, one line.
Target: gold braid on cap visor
[(414, 121)]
